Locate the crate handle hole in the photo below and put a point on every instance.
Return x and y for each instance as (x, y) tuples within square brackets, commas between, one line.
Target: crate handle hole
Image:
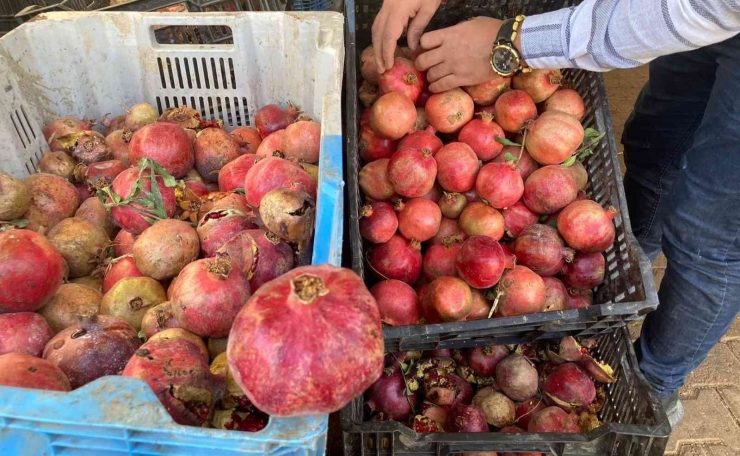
[(191, 34)]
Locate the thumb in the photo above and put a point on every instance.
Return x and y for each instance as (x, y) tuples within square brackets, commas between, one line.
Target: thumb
[(417, 26)]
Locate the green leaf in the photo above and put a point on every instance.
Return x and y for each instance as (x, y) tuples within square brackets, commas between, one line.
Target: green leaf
[(20, 223), (585, 154), (168, 180), (239, 190), (510, 157), (142, 336), (543, 218), (506, 142), (591, 134), (569, 162)]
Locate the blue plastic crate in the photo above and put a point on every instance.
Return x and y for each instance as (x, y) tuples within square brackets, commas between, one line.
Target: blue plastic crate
[(313, 5), (122, 416)]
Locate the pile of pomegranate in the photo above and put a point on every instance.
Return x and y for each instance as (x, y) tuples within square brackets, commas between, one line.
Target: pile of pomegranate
[(547, 387), (475, 199), (163, 247)]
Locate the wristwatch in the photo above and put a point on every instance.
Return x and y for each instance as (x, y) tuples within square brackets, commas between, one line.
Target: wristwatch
[(505, 58)]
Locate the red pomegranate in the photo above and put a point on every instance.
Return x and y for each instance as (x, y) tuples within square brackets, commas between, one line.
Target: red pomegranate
[(373, 147), (481, 261), (396, 259), (523, 162), (134, 217), (586, 271), (272, 118), (393, 115), (554, 419), (166, 144), (374, 181), (549, 189), (397, 303), (481, 135), (260, 255), (220, 225), (568, 387), (481, 219), (307, 309), (232, 175), (485, 93), (448, 227), (447, 298), (553, 137), (500, 184), (403, 77), (248, 138), (540, 248), (123, 243), (556, 295), (273, 172), (513, 109), (120, 268), (272, 145), (448, 111), (579, 299), (586, 226), (418, 218), (214, 148), (440, 259), (520, 291), (412, 172), (26, 371), (457, 167), (302, 141), (100, 174), (517, 217), (422, 139), (378, 222), (23, 332), (567, 101), (118, 143), (389, 396), (539, 84)]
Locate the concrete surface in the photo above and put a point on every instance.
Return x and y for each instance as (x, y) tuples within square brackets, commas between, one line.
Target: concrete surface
[(711, 395)]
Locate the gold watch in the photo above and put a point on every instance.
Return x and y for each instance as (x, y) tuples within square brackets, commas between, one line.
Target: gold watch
[(505, 58)]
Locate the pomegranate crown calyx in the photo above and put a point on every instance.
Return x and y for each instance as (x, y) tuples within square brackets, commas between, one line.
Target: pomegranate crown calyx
[(307, 288)]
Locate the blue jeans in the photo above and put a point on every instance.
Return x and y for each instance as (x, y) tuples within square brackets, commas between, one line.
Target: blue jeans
[(682, 151)]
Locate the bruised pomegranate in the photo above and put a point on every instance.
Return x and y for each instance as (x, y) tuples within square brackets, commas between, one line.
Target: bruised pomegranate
[(118, 143), (486, 93), (480, 262), (412, 172), (25, 371), (81, 244), (540, 248), (388, 395), (218, 226), (159, 318), (421, 122), (374, 181), (23, 332), (513, 109), (208, 295), (140, 115), (393, 115), (14, 197), (396, 259), (517, 218), (367, 93), (549, 189), (517, 377), (70, 302), (100, 174), (273, 172), (87, 146), (567, 101), (539, 84), (520, 158), (397, 303), (418, 218), (271, 145), (232, 175), (63, 126), (421, 139), (272, 118), (449, 298), (373, 147), (131, 297), (93, 210), (585, 271), (98, 345), (568, 387), (58, 163), (52, 200), (586, 226), (368, 69), (553, 137), (448, 111), (556, 295), (378, 222), (183, 116), (248, 139), (214, 148), (554, 419), (520, 291), (481, 219), (31, 271), (307, 309), (118, 269), (288, 213), (165, 248), (457, 167), (302, 141), (440, 259), (133, 216), (403, 77), (500, 184), (260, 255)]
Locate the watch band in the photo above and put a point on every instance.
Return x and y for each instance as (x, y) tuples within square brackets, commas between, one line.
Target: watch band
[(507, 35)]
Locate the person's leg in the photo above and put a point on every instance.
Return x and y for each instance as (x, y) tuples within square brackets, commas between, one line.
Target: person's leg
[(700, 293), (658, 132)]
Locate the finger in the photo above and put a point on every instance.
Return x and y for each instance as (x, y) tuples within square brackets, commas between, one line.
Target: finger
[(378, 29), (446, 83), (418, 24), (392, 32), (431, 40), (429, 59), (438, 72)]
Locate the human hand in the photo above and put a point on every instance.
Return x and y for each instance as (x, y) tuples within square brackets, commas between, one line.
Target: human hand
[(390, 22), (459, 55)]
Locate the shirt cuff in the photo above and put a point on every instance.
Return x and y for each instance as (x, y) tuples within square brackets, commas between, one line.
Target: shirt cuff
[(545, 40)]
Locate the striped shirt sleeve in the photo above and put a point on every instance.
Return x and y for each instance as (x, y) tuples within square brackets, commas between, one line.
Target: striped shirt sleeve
[(600, 35)]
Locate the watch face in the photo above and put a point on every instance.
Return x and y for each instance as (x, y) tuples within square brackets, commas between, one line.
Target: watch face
[(504, 60)]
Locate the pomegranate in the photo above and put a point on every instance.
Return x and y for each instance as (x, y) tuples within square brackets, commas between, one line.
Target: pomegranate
[(517, 377), (586, 271), (586, 226), (368, 69), (307, 309), (567, 101), (289, 214), (412, 172), (232, 175), (25, 371), (131, 297), (123, 243), (486, 93), (248, 139), (220, 225), (273, 172), (378, 222), (556, 295), (260, 255), (165, 248), (86, 146), (365, 117), (539, 84), (421, 122), (183, 116), (118, 143), (553, 137), (80, 243), (540, 248), (272, 118), (580, 175), (483, 360), (374, 182), (133, 216), (467, 418), (208, 295), (452, 204), (271, 145), (441, 259), (403, 77), (58, 163), (93, 210), (578, 299), (447, 299), (68, 304), (140, 115), (368, 94), (448, 227), (520, 158), (23, 332), (421, 139), (481, 306), (63, 126), (302, 141), (388, 395), (177, 371), (52, 200), (525, 410), (448, 111), (481, 135), (418, 218), (549, 189), (513, 109), (214, 148), (568, 387), (96, 346), (520, 291), (229, 201), (14, 197), (397, 302), (457, 167), (373, 147), (517, 218), (480, 262), (500, 411), (393, 115), (118, 269), (396, 259), (554, 419), (500, 184), (31, 271), (100, 174), (481, 219)]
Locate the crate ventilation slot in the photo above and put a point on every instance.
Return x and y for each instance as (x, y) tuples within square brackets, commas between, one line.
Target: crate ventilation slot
[(196, 73), (233, 111)]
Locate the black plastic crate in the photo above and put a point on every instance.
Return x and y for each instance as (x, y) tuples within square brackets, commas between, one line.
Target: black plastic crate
[(628, 292), (634, 422)]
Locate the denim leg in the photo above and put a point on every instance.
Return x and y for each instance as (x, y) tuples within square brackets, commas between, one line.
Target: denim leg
[(658, 132), (700, 293)]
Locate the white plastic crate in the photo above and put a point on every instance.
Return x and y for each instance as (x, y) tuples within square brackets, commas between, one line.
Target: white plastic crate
[(92, 64)]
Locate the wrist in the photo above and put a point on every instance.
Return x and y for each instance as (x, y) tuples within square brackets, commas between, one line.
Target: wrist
[(518, 43)]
